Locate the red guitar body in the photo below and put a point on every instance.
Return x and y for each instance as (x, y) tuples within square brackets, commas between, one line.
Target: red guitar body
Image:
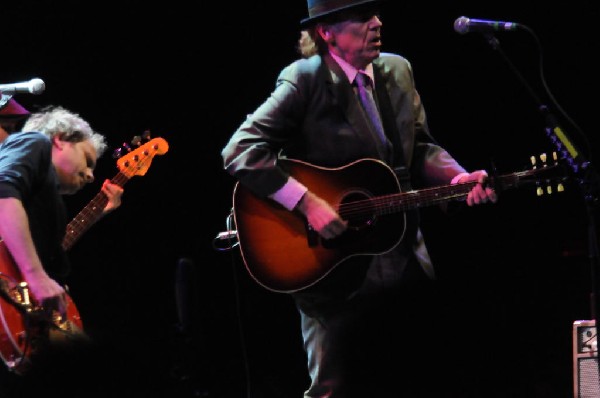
[(24, 325)]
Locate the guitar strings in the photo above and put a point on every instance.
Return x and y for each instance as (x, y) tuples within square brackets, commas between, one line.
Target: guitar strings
[(391, 203)]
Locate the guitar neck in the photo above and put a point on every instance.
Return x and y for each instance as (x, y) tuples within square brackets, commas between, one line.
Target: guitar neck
[(89, 214), (399, 202)]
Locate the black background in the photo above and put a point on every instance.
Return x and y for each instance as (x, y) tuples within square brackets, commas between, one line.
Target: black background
[(514, 275)]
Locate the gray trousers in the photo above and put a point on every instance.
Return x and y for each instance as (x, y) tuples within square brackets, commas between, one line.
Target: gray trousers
[(366, 342)]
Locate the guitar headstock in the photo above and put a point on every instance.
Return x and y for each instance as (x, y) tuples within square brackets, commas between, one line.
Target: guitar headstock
[(547, 170), (132, 162), (547, 176)]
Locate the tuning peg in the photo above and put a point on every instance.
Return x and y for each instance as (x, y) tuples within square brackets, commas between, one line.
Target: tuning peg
[(137, 140), (559, 186), (146, 135), (533, 161), (539, 190), (117, 153)]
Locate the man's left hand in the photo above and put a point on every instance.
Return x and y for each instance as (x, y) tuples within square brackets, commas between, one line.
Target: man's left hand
[(481, 193), (113, 192)]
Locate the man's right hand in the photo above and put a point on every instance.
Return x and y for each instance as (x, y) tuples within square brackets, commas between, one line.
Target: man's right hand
[(321, 216), (47, 292)]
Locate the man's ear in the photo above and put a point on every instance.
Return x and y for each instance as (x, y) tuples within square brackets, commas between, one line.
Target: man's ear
[(325, 33), (57, 142)]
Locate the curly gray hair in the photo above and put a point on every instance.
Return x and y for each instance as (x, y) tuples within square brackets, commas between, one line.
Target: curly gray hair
[(69, 126)]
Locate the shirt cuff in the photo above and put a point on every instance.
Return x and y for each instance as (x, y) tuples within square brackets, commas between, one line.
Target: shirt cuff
[(290, 194), (458, 177)]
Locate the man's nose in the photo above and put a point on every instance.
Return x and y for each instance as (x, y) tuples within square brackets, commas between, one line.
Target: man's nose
[(89, 176)]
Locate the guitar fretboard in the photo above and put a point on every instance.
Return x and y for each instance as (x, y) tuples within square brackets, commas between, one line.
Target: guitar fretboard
[(89, 214)]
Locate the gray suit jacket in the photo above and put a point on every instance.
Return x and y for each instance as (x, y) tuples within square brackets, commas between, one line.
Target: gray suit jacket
[(313, 115)]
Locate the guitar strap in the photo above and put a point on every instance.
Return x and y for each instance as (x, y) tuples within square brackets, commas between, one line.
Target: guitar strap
[(391, 130)]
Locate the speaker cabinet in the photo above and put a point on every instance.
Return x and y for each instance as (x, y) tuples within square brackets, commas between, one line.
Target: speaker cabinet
[(586, 383)]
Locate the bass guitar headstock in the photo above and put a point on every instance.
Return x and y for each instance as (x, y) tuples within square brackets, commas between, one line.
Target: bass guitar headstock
[(135, 158)]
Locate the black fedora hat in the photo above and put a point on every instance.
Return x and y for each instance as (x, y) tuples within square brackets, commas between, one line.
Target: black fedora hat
[(318, 9)]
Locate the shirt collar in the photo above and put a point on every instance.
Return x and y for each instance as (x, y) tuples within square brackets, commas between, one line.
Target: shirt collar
[(351, 71)]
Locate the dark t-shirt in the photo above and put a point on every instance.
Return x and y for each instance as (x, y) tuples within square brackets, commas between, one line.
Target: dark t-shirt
[(27, 173)]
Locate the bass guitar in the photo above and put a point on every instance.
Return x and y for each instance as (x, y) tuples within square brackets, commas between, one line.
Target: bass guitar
[(26, 326), (283, 254)]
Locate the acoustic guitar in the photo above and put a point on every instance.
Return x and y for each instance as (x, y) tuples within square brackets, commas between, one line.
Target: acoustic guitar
[(26, 326), (283, 254)]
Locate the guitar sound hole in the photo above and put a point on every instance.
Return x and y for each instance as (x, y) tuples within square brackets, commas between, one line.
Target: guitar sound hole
[(358, 211)]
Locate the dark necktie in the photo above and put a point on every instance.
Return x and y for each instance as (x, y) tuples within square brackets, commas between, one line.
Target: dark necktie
[(368, 102)]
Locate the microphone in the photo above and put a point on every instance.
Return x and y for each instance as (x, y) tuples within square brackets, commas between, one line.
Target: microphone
[(464, 25), (34, 86)]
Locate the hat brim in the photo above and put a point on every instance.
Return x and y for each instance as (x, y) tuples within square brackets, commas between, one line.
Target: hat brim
[(316, 18), (9, 108)]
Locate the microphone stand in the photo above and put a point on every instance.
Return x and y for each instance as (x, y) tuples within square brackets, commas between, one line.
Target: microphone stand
[(581, 171)]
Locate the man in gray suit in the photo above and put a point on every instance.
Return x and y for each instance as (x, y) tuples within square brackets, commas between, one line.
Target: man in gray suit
[(360, 314)]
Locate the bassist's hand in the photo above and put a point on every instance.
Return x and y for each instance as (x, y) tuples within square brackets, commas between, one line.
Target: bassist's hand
[(47, 292), (321, 216), (113, 192)]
